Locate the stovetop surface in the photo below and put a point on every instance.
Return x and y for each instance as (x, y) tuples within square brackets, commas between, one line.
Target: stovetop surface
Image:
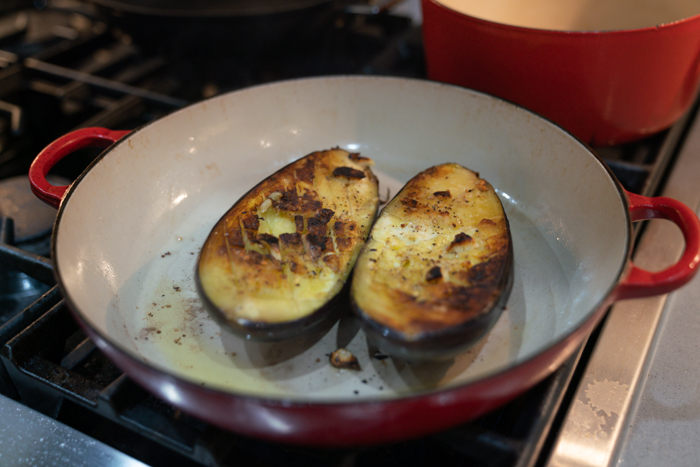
[(636, 403), (62, 69)]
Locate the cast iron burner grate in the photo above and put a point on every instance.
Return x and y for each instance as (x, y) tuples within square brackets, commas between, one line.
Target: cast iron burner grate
[(51, 366), (61, 70)]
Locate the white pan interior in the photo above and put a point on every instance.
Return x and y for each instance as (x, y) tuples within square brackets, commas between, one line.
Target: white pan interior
[(130, 231)]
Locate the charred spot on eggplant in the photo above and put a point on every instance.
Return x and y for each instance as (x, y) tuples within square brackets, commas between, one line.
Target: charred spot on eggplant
[(276, 264), (434, 274), (348, 172), (437, 269)]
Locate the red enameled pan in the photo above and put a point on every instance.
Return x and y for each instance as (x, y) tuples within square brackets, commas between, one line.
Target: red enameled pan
[(129, 230)]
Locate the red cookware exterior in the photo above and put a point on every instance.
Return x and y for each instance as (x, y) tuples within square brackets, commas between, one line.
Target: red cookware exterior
[(376, 421), (605, 87), (347, 424), (88, 137)]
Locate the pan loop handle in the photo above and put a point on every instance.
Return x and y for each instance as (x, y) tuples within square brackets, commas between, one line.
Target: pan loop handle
[(95, 137), (642, 283)]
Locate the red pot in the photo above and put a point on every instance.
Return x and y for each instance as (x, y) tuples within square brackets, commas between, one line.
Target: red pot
[(622, 81)]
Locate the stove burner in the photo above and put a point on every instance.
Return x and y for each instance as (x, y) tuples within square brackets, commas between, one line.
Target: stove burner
[(27, 225), (32, 218)]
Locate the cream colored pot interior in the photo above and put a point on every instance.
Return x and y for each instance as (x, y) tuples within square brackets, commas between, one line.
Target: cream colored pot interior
[(130, 231), (578, 15)]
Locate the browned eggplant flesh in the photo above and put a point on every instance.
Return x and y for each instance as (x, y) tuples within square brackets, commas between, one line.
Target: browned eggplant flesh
[(437, 269), (275, 264)]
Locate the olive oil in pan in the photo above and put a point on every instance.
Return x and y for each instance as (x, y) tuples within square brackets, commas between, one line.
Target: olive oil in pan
[(177, 335)]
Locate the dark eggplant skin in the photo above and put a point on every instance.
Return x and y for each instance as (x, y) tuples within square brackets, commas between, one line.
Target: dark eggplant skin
[(277, 264), (442, 345), (317, 322), (437, 270)]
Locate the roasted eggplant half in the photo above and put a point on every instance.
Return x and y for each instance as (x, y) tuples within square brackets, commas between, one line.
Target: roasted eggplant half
[(437, 269), (275, 264)]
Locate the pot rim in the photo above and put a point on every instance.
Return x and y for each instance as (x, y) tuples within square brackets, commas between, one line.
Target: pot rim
[(574, 34)]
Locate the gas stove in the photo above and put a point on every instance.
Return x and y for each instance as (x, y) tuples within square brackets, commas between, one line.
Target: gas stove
[(63, 67)]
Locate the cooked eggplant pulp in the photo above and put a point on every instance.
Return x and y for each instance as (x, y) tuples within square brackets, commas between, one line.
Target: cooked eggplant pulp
[(272, 265), (437, 269)]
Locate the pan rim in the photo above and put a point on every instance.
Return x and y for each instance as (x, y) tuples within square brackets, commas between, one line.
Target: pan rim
[(298, 402), (253, 10)]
